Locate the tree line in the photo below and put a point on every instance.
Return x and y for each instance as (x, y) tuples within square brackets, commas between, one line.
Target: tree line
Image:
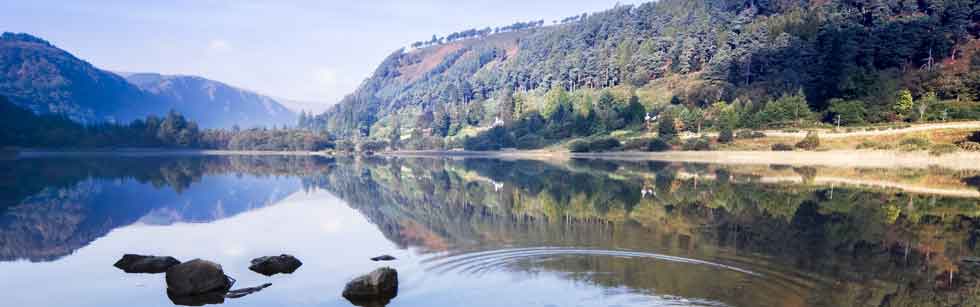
[(20, 127)]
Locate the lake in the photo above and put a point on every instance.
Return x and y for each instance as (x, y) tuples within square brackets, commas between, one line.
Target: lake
[(490, 232)]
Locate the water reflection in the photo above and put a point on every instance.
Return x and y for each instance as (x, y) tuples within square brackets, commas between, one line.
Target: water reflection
[(486, 232)]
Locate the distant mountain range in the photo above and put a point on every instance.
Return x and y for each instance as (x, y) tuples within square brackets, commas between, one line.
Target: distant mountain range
[(212, 103), (45, 79)]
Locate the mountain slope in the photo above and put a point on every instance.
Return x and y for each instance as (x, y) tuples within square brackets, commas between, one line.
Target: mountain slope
[(45, 79), (212, 103), (675, 56), (39, 76)]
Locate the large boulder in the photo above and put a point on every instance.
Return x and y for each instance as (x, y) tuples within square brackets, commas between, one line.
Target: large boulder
[(131, 263), (375, 288), (197, 277), (271, 265)]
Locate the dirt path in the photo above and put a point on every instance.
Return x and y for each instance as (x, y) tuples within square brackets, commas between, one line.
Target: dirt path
[(832, 158), (828, 134)]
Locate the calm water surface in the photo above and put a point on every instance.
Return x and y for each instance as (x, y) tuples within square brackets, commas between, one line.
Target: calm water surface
[(483, 232)]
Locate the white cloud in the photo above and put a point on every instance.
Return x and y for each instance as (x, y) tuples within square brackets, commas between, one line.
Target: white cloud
[(219, 46), (325, 77)]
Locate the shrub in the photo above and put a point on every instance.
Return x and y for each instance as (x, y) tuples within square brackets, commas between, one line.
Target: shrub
[(969, 146), (658, 145), (373, 146), (344, 145), (782, 147), (698, 144), (666, 128), (578, 146), (726, 136), (746, 134), (604, 144), (943, 149), (530, 141), (636, 144), (868, 145), (975, 137), (493, 139), (810, 142), (913, 144), (598, 145)]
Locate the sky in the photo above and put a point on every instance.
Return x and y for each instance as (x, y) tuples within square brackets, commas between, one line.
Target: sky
[(310, 51)]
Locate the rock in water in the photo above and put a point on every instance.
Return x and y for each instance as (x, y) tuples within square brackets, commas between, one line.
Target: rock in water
[(375, 288), (197, 277), (383, 258), (131, 263), (271, 265), (210, 298)]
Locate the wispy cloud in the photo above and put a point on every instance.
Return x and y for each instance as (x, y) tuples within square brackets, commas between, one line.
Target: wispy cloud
[(218, 46)]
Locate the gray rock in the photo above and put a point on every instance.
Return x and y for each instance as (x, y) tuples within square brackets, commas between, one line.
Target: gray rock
[(209, 298), (376, 288), (131, 263), (197, 277), (383, 258), (271, 265)]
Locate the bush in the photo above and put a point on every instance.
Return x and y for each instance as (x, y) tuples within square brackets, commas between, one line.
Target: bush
[(604, 144), (636, 144), (658, 145), (975, 137), (868, 145), (913, 144), (578, 146), (373, 146), (943, 149), (782, 147), (698, 144), (726, 136), (530, 141), (746, 134), (810, 142), (344, 145), (969, 146), (493, 139)]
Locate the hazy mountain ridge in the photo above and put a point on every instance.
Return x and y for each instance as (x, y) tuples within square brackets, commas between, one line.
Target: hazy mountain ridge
[(45, 79), (198, 98)]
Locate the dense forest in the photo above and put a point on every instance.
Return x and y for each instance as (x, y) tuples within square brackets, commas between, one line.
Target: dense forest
[(707, 64), (20, 127)]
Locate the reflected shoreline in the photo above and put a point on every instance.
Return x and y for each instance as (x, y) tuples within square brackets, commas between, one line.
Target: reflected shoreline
[(770, 235)]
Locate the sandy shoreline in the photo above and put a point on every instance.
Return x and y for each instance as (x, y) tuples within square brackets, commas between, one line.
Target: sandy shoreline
[(833, 158)]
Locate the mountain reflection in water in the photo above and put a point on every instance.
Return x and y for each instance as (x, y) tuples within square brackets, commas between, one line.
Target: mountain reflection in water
[(485, 232)]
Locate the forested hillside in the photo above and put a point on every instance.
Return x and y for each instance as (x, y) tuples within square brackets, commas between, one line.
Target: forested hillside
[(705, 63), (45, 79), (37, 75)]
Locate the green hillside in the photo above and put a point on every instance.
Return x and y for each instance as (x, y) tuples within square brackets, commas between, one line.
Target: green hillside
[(744, 64)]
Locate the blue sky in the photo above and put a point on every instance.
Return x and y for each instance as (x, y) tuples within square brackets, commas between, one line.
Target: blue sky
[(304, 50)]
